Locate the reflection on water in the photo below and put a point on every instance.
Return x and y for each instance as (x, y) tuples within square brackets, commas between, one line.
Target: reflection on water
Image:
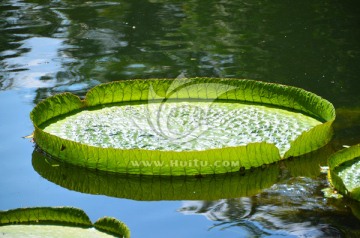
[(52, 46), (307, 44), (152, 188), (292, 208), (282, 199), (37, 67)]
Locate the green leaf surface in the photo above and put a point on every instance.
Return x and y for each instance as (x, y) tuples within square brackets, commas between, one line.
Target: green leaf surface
[(344, 171), (57, 222), (179, 159), (112, 225), (51, 231), (45, 215), (220, 124)]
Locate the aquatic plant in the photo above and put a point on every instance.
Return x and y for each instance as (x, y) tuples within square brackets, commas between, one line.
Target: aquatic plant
[(344, 171), (182, 127), (58, 222)]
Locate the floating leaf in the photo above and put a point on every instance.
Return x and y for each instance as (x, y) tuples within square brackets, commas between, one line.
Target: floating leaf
[(182, 127), (112, 225), (57, 222), (344, 171), (45, 215)]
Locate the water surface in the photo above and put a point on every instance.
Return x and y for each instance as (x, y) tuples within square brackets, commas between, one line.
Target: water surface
[(51, 46)]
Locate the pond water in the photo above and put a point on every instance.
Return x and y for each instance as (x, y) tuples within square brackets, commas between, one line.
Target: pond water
[(52, 46)]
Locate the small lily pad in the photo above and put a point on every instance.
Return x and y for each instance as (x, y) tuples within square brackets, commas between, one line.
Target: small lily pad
[(344, 171), (57, 222)]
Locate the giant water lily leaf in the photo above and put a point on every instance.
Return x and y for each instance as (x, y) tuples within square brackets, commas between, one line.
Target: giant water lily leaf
[(153, 188), (344, 171), (182, 127), (57, 222)]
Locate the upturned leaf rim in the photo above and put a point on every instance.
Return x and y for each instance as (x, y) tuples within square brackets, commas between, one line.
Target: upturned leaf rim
[(62, 216)]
